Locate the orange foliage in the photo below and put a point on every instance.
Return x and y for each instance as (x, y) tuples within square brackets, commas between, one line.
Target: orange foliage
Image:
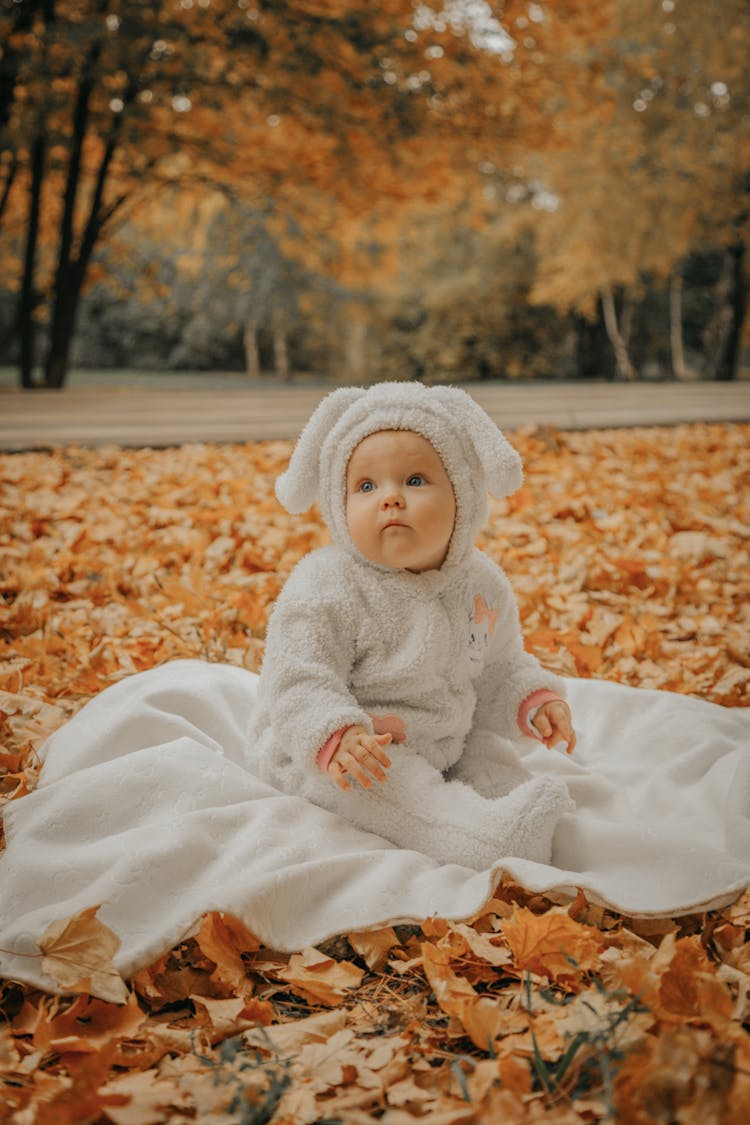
[(628, 553), (341, 113)]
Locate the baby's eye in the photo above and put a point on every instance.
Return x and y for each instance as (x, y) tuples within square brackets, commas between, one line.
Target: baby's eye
[(415, 480), (366, 486)]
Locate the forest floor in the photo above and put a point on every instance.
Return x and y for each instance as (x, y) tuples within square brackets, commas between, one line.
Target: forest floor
[(629, 552)]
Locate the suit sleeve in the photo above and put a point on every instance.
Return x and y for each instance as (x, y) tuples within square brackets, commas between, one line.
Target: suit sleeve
[(492, 762), (510, 674), (307, 665)]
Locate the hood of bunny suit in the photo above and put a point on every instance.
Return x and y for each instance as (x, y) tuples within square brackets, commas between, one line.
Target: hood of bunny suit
[(477, 457)]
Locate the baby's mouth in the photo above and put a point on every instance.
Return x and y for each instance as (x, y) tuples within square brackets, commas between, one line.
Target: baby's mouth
[(393, 523)]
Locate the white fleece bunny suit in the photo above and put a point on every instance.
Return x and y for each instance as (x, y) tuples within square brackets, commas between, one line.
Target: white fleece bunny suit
[(441, 650)]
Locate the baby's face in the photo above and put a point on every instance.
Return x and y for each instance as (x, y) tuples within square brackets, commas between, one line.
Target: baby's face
[(400, 507)]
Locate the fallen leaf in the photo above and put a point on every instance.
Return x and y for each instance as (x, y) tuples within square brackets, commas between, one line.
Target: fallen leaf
[(604, 1016), (689, 987), (289, 1038), (81, 1098), (146, 1099), (480, 1016), (78, 954), (319, 978), (88, 1024), (373, 945), (219, 940), (551, 944), (323, 1064), (487, 948)]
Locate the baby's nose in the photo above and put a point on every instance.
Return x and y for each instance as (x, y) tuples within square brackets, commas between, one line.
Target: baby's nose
[(393, 500)]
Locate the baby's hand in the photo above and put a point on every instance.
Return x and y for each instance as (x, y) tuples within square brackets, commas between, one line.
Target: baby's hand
[(555, 724), (356, 754)]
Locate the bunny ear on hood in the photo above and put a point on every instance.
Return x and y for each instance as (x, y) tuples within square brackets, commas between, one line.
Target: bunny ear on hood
[(500, 463), (297, 488)]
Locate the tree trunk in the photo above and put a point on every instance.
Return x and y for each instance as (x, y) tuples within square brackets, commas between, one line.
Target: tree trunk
[(721, 337), (627, 318), (356, 355), (680, 370), (726, 369), (624, 366), (72, 271), (591, 346), (280, 345), (10, 175), (252, 352), (66, 291), (27, 299)]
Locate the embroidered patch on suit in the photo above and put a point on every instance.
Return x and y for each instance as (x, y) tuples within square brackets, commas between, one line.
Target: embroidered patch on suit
[(482, 620)]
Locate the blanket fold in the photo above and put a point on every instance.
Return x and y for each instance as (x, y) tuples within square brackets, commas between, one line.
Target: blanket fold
[(148, 804)]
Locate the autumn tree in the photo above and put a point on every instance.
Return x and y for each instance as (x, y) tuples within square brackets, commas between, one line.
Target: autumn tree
[(103, 101), (86, 76), (330, 107), (664, 173), (239, 285)]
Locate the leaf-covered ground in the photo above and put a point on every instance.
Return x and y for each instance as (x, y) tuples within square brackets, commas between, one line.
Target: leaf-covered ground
[(630, 555)]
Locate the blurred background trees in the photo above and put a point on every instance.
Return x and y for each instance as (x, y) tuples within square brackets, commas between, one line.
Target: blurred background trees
[(458, 190)]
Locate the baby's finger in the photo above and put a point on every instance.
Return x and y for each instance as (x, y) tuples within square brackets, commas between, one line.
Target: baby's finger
[(564, 733), (543, 725), (357, 773), (338, 776), (364, 755), (567, 734), (360, 770), (376, 748), (371, 763)]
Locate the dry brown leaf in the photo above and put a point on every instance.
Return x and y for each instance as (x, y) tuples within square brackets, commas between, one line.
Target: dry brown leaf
[(78, 954), (324, 1064), (373, 945), (225, 1017), (319, 978), (596, 1013), (480, 1016), (80, 1099), (221, 938), (739, 912), (489, 948), (457, 1114), (689, 987), (289, 1038), (145, 1098), (10, 1059), (551, 944), (87, 1024), (515, 1075)]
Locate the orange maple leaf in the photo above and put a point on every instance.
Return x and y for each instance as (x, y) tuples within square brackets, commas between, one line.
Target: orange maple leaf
[(78, 954), (221, 938), (689, 988), (552, 944)]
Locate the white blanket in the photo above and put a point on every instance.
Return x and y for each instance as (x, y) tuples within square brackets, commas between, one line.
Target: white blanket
[(148, 804)]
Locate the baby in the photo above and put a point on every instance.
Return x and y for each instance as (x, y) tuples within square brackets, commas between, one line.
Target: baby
[(403, 632)]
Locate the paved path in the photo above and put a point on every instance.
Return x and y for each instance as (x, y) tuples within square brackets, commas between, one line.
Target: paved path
[(144, 416)]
